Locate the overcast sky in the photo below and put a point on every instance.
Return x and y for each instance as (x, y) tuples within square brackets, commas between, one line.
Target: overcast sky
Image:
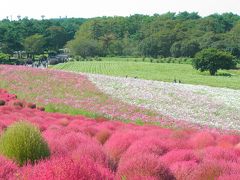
[(93, 8)]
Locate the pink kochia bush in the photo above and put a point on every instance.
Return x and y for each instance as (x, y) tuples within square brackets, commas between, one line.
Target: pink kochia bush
[(118, 144), (7, 168), (144, 165), (84, 148), (65, 168)]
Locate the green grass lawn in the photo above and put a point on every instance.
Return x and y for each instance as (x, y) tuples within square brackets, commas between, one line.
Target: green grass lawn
[(155, 71), (181, 60)]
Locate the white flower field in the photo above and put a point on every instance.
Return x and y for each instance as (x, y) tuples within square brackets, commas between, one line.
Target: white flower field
[(214, 107)]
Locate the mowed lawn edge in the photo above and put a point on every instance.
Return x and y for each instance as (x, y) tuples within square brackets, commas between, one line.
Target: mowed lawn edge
[(166, 72)]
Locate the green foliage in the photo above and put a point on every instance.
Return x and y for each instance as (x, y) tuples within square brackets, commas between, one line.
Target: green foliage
[(56, 37), (69, 110), (13, 33), (23, 143), (189, 48), (34, 44), (158, 44), (139, 122), (3, 58), (177, 35), (86, 48), (212, 60), (171, 34), (116, 66)]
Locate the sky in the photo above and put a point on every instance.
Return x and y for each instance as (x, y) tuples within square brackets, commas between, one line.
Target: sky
[(95, 8)]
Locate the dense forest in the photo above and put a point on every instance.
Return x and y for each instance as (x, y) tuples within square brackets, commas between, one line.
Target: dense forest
[(176, 35), (36, 36)]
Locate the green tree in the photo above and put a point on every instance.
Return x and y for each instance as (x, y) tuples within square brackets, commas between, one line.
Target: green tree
[(10, 38), (86, 48), (107, 40), (158, 44), (232, 40), (34, 44), (56, 37), (170, 34), (208, 39), (186, 15), (212, 60), (176, 49), (4, 58), (215, 23), (189, 48)]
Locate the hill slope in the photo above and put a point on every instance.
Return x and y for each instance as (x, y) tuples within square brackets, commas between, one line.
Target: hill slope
[(86, 148), (156, 71)]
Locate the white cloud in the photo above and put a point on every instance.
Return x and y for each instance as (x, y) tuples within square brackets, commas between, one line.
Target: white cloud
[(93, 8)]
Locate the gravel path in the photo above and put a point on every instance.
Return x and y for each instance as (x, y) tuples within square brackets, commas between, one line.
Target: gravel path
[(214, 107)]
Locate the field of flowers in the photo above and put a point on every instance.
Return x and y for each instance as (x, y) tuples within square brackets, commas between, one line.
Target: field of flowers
[(58, 91), (128, 99), (214, 107), (84, 148)]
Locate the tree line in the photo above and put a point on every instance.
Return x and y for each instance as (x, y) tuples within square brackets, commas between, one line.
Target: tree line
[(36, 36), (166, 35)]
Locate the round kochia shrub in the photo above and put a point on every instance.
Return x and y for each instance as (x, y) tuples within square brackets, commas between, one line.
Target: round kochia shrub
[(22, 142), (145, 165)]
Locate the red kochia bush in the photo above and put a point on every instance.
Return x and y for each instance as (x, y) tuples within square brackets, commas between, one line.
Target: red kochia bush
[(144, 165), (103, 135), (139, 177), (212, 169), (63, 168), (90, 131), (118, 144), (72, 140), (179, 155), (148, 145), (66, 143), (7, 168), (63, 121), (57, 148), (202, 139), (91, 150), (182, 170), (227, 141), (6, 97), (217, 153), (207, 170), (230, 177)]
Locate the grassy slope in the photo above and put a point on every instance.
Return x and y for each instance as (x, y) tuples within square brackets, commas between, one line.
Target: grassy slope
[(156, 71), (154, 60)]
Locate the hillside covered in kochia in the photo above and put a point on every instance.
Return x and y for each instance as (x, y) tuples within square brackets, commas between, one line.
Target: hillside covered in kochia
[(85, 148), (169, 34)]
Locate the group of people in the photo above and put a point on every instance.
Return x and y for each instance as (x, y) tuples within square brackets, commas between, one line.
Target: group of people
[(39, 64), (177, 81)]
